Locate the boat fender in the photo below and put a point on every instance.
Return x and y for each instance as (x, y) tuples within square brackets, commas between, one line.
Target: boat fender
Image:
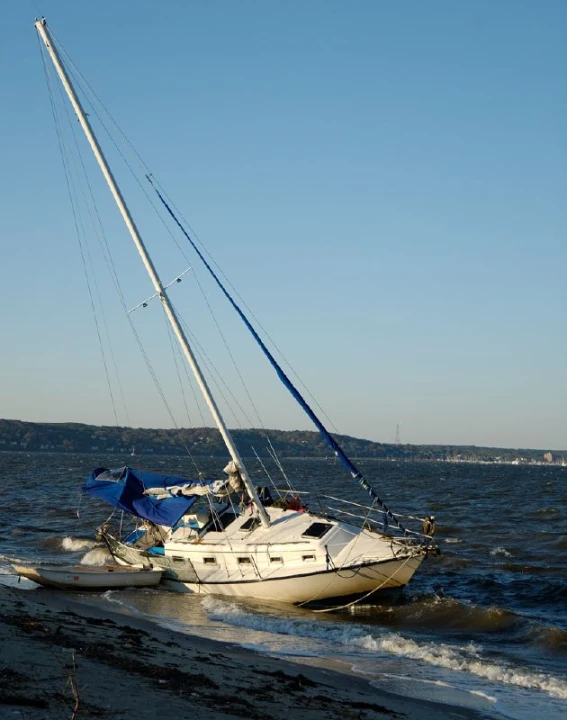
[(294, 503), (428, 526)]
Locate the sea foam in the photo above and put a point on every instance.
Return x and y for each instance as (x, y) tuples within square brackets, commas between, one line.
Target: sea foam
[(465, 658), (72, 544), (500, 551), (96, 556)]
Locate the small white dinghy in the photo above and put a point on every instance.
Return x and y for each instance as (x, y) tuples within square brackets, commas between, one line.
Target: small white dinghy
[(90, 577)]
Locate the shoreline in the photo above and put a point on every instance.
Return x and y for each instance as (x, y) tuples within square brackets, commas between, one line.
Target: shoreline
[(65, 659)]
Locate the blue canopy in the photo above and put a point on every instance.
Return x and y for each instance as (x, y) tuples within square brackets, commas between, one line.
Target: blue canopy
[(125, 489)]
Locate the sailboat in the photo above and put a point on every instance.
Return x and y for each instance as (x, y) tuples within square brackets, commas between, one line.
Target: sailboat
[(230, 536)]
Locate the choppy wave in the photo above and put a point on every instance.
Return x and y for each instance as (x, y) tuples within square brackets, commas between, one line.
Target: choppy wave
[(6, 565), (561, 543), (96, 556), (74, 544), (500, 551), (531, 569), (435, 612), (464, 658), (447, 613), (552, 638)]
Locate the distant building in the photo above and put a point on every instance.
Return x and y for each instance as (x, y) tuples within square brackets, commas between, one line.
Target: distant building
[(548, 457)]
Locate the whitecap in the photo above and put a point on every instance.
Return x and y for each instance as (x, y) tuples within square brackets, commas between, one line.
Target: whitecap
[(73, 544), (467, 659), (500, 551), (460, 658), (96, 556)]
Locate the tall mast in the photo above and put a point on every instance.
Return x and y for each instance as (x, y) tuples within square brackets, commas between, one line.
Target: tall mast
[(41, 27)]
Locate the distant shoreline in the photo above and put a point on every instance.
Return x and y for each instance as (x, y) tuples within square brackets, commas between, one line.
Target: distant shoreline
[(21, 436)]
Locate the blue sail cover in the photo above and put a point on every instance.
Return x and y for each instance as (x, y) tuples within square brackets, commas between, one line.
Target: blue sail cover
[(125, 489)]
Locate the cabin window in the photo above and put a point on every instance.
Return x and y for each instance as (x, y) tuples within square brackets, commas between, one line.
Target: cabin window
[(210, 560), (308, 558), (250, 524), (275, 559), (177, 559), (244, 560), (317, 530)]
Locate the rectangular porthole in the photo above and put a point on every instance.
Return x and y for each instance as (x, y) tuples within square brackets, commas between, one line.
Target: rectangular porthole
[(308, 558), (244, 561), (210, 560), (177, 559), (275, 559)]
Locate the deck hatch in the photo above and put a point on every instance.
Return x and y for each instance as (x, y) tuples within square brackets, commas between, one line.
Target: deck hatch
[(250, 524), (317, 530)]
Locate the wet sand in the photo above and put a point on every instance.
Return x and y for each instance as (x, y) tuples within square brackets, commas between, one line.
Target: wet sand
[(60, 659)]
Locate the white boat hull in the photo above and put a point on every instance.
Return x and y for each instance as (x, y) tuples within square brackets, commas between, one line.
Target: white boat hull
[(326, 585), (283, 563), (86, 577)]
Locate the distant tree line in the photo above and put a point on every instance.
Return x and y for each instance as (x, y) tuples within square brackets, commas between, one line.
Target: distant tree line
[(16, 435)]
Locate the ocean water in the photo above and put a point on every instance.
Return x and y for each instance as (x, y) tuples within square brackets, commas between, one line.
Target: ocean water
[(484, 625)]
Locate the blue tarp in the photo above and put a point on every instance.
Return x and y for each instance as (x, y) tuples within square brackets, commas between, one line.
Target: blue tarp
[(124, 489)]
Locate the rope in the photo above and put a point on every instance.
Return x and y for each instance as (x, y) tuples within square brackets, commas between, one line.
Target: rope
[(368, 594), (337, 570)]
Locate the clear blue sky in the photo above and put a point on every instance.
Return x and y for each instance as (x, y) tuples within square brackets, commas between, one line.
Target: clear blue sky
[(384, 182)]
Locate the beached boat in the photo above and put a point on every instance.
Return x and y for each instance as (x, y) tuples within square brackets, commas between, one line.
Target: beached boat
[(90, 577), (232, 536)]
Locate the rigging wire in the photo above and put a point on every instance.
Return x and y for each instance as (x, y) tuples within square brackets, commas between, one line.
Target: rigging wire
[(265, 469), (175, 356), (338, 451), (65, 154), (275, 458), (99, 233), (157, 186), (82, 83), (112, 270), (356, 474), (146, 170), (233, 360), (215, 375), (75, 72)]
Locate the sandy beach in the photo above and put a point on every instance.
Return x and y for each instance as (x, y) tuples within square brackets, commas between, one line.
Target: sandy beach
[(64, 659)]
